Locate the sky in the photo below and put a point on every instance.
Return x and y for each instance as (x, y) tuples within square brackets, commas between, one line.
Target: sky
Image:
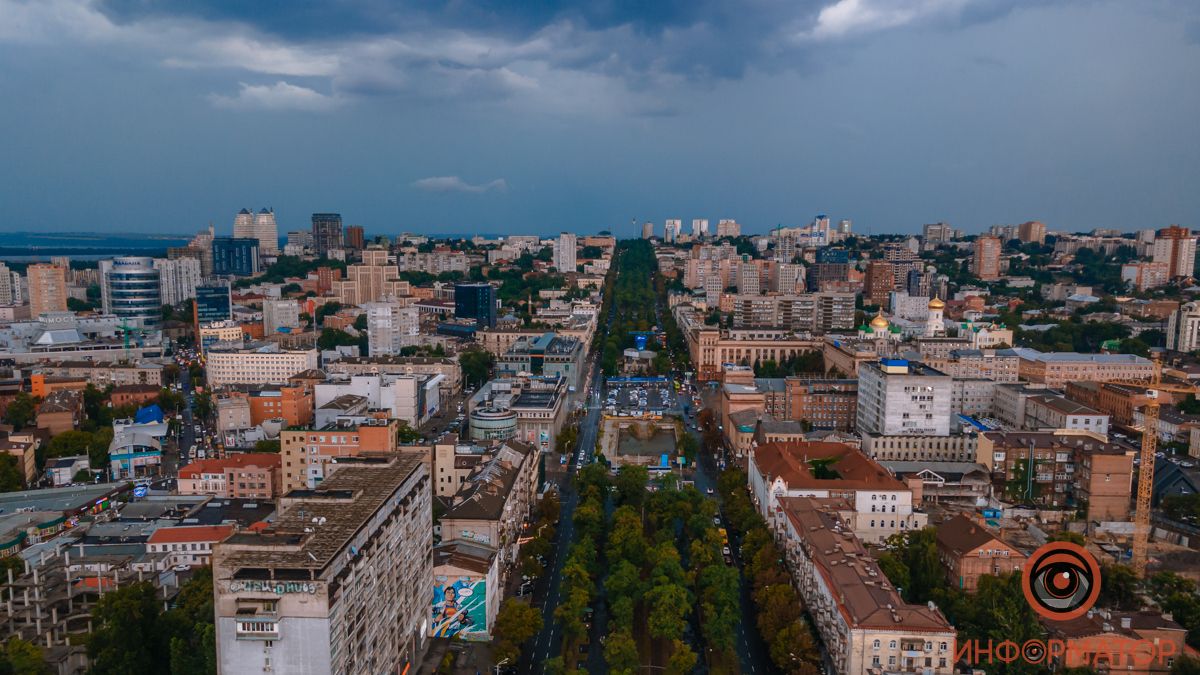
[(538, 116)]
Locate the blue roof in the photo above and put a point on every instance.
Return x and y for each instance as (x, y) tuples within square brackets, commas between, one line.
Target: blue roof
[(148, 414)]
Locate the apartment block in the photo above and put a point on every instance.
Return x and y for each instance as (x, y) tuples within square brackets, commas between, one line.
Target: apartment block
[(309, 454), (257, 363), (339, 582), (900, 397), (1056, 369), (250, 475)]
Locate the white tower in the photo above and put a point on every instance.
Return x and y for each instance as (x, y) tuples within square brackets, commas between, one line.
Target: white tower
[(933, 323)]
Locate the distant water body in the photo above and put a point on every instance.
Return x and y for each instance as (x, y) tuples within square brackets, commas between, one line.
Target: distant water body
[(34, 246)]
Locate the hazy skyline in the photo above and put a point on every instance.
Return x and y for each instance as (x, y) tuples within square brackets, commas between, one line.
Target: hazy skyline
[(136, 116)]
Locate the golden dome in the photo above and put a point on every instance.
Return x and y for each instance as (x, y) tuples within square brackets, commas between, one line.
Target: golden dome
[(879, 323), (936, 303)]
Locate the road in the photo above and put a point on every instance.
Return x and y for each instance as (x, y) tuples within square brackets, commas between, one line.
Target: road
[(547, 591)]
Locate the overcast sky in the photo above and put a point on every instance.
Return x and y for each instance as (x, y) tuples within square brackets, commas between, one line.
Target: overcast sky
[(536, 116)]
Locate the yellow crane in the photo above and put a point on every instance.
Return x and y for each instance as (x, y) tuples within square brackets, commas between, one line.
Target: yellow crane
[(1145, 486)]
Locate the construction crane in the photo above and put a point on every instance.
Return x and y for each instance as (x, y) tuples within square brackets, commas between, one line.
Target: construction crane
[(1145, 486)]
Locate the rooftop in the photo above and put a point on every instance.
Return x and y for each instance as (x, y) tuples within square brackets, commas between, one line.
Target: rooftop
[(190, 533), (864, 595), (341, 505), (822, 465)]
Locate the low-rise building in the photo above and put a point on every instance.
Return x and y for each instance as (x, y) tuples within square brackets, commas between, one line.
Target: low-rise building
[(448, 368), (865, 626), (880, 504), (1065, 469), (952, 448), (548, 355), (1056, 369), (62, 470), (1120, 641), (963, 482), (260, 363), (134, 455), (1049, 411), (60, 411), (190, 545), (250, 475), (968, 550), (533, 407)]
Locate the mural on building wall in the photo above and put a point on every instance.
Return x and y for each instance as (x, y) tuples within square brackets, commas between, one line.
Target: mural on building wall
[(459, 607)]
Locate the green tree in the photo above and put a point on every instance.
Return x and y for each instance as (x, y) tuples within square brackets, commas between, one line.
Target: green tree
[(11, 476), (620, 652), (516, 622), (1120, 588), (267, 445), (683, 659), (334, 337), (476, 366), (22, 411), (127, 634), (23, 658), (1186, 665)]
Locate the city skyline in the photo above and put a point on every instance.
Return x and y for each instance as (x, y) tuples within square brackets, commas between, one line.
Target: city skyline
[(161, 118)]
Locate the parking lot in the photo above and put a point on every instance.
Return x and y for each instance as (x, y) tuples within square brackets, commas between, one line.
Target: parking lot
[(624, 398)]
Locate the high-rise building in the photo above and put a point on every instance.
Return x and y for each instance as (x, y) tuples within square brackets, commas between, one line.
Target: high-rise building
[(903, 398), (327, 232), (647, 230), (280, 313), (355, 239), (214, 302), (878, 282), (6, 285), (671, 230), (391, 327), (235, 256), (1032, 232), (985, 262), (178, 279), (564, 252), (1183, 328), (260, 226), (728, 227), (748, 277), (47, 286), (340, 582), (1176, 246), (129, 288), (699, 227), (476, 301), (937, 233), (299, 242)]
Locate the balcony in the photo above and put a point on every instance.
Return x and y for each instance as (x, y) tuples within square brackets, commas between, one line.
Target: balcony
[(257, 630)]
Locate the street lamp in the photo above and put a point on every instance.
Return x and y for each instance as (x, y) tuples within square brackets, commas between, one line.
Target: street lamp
[(497, 666)]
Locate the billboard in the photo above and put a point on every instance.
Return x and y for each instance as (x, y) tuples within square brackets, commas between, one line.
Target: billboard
[(459, 607)]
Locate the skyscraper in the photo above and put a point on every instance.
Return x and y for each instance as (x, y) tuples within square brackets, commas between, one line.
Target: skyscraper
[(672, 229), (647, 230), (355, 238), (47, 288), (129, 288), (564, 252), (985, 263), (476, 301), (699, 227), (327, 232), (177, 279), (235, 256), (6, 285), (878, 283), (260, 226)]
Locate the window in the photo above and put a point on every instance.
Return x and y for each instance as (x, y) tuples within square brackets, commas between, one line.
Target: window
[(876, 644)]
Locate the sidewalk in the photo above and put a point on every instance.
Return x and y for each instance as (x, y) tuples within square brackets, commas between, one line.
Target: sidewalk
[(470, 658)]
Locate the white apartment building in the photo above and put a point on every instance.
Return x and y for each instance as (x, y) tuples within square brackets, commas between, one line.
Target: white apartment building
[(699, 227), (340, 582), (900, 397), (412, 398), (258, 363), (564, 252), (671, 230), (281, 313), (1183, 328), (260, 226), (391, 326), (178, 279)]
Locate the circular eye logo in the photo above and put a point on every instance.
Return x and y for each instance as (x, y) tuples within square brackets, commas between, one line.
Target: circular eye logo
[(1061, 581)]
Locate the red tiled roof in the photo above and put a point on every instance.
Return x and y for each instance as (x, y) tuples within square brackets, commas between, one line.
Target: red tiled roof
[(239, 461), (190, 533)]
